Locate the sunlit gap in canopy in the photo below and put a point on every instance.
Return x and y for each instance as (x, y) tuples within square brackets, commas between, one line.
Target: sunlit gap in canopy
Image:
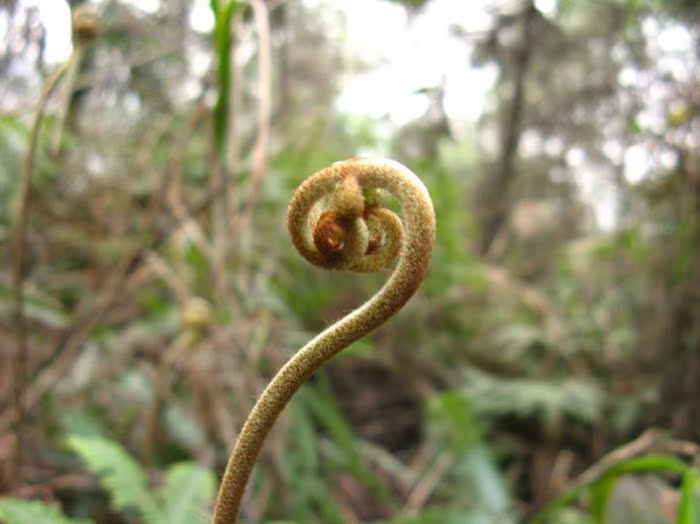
[(404, 55), (55, 17)]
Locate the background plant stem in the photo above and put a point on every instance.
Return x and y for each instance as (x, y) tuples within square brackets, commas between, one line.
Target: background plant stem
[(19, 240)]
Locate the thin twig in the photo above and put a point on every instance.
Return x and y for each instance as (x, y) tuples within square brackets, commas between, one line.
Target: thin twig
[(652, 440), (262, 24), (79, 481), (421, 492)]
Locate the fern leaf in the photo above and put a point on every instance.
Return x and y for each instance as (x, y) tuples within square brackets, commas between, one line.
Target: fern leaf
[(188, 489), (19, 511), (118, 472)]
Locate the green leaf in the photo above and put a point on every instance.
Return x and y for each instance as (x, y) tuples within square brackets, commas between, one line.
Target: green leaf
[(19, 511), (223, 14), (689, 503), (119, 473), (649, 463), (600, 494), (187, 491)]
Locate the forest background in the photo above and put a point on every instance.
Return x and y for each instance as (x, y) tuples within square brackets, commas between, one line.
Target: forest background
[(549, 366)]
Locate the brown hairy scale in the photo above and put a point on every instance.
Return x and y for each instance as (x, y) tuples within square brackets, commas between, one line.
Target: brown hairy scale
[(330, 234)]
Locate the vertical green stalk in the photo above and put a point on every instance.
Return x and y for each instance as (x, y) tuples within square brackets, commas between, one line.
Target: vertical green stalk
[(224, 11), (223, 14)]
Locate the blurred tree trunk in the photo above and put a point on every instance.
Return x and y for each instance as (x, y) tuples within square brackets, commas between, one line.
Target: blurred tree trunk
[(496, 194), (679, 351)]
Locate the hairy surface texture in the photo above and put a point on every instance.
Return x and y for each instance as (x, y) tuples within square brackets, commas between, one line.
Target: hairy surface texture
[(336, 221)]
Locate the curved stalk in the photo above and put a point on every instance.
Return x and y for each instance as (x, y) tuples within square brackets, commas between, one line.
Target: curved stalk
[(336, 221), (19, 240)]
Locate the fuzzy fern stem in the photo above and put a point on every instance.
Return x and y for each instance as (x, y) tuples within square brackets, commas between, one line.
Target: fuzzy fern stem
[(336, 221)]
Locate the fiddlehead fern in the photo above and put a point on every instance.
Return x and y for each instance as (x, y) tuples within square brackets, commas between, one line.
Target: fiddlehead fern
[(336, 221)]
